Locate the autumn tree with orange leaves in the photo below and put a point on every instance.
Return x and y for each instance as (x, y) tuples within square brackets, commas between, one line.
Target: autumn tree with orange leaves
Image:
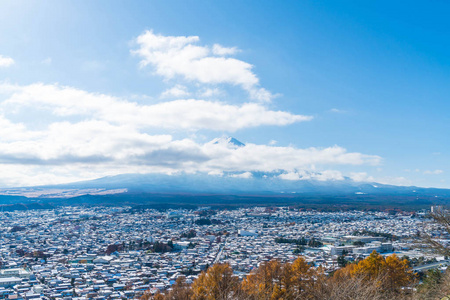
[(375, 277), (392, 272), (218, 283), (381, 275), (273, 280)]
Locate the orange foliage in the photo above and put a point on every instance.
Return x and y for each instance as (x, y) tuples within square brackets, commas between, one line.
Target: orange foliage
[(180, 290), (375, 277), (273, 280), (216, 284), (159, 297), (391, 273)]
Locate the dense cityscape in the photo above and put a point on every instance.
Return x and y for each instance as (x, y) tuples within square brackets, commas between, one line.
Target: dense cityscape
[(122, 253)]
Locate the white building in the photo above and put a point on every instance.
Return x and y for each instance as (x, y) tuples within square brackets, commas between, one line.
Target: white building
[(9, 281), (16, 272), (341, 249), (247, 232)]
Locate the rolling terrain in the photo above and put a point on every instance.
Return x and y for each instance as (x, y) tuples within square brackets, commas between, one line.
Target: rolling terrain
[(159, 190)]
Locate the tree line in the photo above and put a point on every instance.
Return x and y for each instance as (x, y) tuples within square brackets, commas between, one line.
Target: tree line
[(299, 242), (375, 277)]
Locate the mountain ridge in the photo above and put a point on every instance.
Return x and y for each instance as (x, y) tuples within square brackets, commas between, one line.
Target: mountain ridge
[(258, 183), (278, 183)]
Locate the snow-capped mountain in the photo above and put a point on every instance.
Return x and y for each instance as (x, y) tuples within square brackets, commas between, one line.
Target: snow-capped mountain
[(254, 183), (301, 182), (228, 141)]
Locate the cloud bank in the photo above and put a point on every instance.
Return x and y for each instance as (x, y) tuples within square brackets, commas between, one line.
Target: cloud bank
[(189, 114), (52, 133), (92, 135), (6, 61), (173, 56)]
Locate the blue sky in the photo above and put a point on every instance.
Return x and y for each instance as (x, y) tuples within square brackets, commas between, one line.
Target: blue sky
[(316, 89)]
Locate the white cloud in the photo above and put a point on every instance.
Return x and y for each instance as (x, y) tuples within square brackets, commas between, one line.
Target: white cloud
[(434, 172), (96, 148), (6, 61), (180, 56), (83, 142), (329, 175), (176, 91), (325, 175), (364, 177), (395, 181), (242, 175), (337, 110), (111, 151), (91, 135), (220, 50), (187, 114), (290, 176), (361, 177), (209, 92), (264, 158), (83, 135), (13, 131), (215, 173)]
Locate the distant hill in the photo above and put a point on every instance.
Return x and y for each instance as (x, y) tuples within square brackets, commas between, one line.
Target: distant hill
[(259, 183), (263, 184)]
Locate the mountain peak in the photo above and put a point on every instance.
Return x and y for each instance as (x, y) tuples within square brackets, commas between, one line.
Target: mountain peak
[(229, 141)]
